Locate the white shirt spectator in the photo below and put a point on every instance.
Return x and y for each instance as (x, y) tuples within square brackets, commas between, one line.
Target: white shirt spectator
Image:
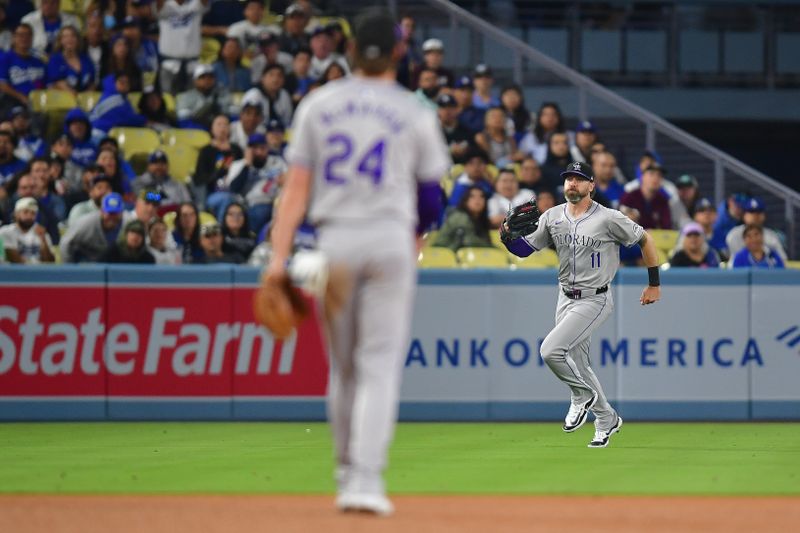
[(283, 106), (735, 241), (179, 25), (36, 21), (238, 135), (318, 66), (248, 33), (27, 243), (499, 205)]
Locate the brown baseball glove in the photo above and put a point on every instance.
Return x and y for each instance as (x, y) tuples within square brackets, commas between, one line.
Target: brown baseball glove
[(279, 306)]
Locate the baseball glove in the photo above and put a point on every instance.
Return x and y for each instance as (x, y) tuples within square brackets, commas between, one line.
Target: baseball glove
[(520, 221), (279, 306)]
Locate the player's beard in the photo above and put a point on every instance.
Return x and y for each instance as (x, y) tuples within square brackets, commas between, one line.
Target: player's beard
[(574, 197)]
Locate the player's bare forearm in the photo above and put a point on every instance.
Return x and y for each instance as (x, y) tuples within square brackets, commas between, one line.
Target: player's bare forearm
[(290, 213), (651, 293)]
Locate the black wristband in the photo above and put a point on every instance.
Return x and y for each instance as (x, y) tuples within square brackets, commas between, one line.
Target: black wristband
[(653, 277)]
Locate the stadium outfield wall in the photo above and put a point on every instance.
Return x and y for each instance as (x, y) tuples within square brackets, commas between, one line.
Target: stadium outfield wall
[(148, 343)]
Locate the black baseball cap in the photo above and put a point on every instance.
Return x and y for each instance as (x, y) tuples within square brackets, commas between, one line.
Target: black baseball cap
[(686, 180), (376, 33), (446, 100), (582, 170)]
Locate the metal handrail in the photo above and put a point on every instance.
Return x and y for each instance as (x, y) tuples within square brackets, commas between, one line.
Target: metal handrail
[(652, 122)]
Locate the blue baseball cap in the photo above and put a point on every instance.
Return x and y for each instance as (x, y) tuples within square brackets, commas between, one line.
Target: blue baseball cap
[(464, 82), (275, 125), (256, 138), (754, 205), (158, 156), (704, 204), (446, 100), (585, 126), (112, 203)]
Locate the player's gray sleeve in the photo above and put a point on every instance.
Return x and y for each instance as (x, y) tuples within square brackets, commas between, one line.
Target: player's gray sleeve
[(541, 237), (433, 159), (622, 229), (300, 150)]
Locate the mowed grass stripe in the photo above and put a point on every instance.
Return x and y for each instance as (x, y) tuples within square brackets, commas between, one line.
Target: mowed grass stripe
[(484, 458)]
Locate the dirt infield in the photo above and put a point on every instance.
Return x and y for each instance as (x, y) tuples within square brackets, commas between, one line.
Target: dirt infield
[(415, 514)]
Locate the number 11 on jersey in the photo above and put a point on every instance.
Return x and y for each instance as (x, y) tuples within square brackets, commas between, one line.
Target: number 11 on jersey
[(595, 259)]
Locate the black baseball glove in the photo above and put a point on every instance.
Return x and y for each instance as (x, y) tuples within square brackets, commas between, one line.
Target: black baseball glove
[(521, 220)]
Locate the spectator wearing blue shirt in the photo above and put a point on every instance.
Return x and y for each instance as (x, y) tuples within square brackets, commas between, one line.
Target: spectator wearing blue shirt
[(29, 145), (9, 163), (483, 80), (729, 215), (70, 68), (469, 116), (20, 71), (604, 165), (755, 254), (79, 130), (474, 175), (144, 51), (228, 69), (114, 110)]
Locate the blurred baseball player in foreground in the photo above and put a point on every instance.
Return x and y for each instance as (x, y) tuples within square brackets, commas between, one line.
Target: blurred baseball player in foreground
[(587, 238), (365, 161)]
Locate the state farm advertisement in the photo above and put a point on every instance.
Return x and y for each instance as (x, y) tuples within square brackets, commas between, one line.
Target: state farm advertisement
[(150, 342)]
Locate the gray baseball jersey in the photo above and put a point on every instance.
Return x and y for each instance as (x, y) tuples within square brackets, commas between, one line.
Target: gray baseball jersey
[(587, 247), (368, 142)]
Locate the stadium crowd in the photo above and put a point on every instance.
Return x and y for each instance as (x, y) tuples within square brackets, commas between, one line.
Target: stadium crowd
[(219, 99)]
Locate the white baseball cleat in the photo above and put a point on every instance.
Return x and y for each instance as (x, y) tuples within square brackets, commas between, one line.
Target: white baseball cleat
[(602, 436), (577, 414), (376, 504)]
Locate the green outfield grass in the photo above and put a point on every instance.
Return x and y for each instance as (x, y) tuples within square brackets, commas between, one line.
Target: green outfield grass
[(698, 458)]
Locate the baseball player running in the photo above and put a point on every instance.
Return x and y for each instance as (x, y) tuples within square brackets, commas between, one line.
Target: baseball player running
[(586, 236), (365, 159)]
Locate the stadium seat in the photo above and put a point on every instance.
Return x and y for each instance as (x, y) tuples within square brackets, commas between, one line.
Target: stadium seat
[(134, 141), (182, 161), (47, 100), (429, 237), (495, 236), (209, 50), (207, 218), (472, 257), (793, 264), (437, 257), (189, 137), (133, 98), (545, 258), (88, 99), (665, 239), (169, 101)]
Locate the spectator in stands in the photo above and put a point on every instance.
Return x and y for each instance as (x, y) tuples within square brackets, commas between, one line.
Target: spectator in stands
[(70, 68), (107, 160), (131, 248), (179, 41), (651, 202), (756, 253), (630, 256), (604, 165), (197, 107), (120, 61), (238, 240), (549, 120), (585, 138), (163, 249), (228, 69), (558, 157), (469, 116), (530, 175), (5, 32), (249, 30), (483, 79), (89, 238), (214, 160), (46, 22), (754, 215), (114, 110), (468, 223), (145, 210), (187, 234), (29, 144), (513, 103), (142, 10), (332, 73), (495, 140), (70, 173), (457, 136), (474, 175), (705, 214), (688, 192), (276, 137), (433, 58), (256, 178), (100, 187), (299, 82), (322, 52), (694, 251), (508, 194), (211, 241), (251, 121), (153, 108), (144, 51), (9, 163), (157, 177), (275, 101), (293, 36), (729, 215), (20, 71), (427, 87), (270, 54), (80, 194), (110, 143), (545, 199), (95, 43), (25, 241), (334, 27), (678, 213), (44, 190), (411, 55)]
